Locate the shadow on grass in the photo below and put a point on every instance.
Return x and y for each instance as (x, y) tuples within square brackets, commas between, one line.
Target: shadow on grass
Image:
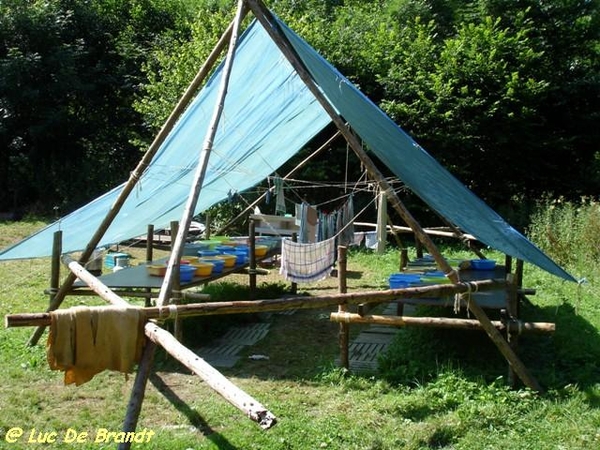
[(570, 356), (303, 345), (193, 417)]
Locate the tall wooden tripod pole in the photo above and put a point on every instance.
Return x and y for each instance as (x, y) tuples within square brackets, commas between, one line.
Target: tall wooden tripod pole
[(188, 213), (272, 27), (137, 394)]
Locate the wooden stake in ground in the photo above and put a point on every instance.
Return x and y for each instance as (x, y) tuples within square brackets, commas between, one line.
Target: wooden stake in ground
[(344, 328)]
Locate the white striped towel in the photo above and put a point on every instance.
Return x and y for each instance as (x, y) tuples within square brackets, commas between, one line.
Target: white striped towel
[(306, 263)]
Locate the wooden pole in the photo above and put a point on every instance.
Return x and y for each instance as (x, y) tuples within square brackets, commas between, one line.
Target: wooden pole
[(252, 257), (344, 328), (403, 259), (244, 307), (149, 257), (137, 173), (136, 398), (442, 322), (192, 200), (234, 395), (55, 268), (281, 304), (382, 217), (512, 312), (271, 26), (394, 232), (177, 330), (149, 243)]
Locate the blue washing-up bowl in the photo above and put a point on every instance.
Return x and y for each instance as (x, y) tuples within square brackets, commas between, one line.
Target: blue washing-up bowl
[(434, 273), (239, 256), (218, 264), (483, 264), (193, 249), (243, 248), (205, 253), (402, 280), (223, 248), (186, 273)]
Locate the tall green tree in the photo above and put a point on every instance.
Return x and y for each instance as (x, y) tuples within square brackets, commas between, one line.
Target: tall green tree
[(69, 70), (508, 99), (504, 93)]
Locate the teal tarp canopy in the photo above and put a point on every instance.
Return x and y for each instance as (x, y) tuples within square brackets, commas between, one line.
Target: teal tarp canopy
[(268, 116)]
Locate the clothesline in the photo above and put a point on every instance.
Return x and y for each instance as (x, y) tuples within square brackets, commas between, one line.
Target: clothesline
[(306, 184)]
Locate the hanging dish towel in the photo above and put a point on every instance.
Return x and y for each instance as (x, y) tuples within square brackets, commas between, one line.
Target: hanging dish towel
[(279, 197), (85, 341), (306, 263)]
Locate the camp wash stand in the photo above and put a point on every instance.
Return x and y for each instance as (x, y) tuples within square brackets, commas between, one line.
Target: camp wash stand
[(155, 335)]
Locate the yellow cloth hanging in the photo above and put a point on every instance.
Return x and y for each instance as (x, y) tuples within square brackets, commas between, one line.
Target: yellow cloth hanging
[(85, 341)]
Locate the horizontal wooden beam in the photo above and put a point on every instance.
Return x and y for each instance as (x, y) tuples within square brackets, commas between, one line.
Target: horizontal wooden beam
[(516, 326), (282, 304), (445, 232)]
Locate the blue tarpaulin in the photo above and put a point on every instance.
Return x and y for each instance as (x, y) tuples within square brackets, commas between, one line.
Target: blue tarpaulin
[(268, 116)]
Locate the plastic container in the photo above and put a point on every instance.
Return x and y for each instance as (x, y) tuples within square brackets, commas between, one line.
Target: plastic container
[(203, 268), (435, 280), (270, 241), (230, 243), (217, 263), (483, 264), (243, 248), (402, 280), (433, 273), (208, 253), (186, 273), (193, 249), (156, 270), (240, 257), (210, 243), (110, 259), (260, 250), (229, 259), (223, 248)]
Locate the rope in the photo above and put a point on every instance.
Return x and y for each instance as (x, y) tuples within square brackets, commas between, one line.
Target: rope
[(172, 309), (472, 288)]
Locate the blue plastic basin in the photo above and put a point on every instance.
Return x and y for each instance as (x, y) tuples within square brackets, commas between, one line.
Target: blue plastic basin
[(402, 280), (186, 273), (218, 264), (483, 264)]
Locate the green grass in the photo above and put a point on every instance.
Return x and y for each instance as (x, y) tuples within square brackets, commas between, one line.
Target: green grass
[(437, 389)]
